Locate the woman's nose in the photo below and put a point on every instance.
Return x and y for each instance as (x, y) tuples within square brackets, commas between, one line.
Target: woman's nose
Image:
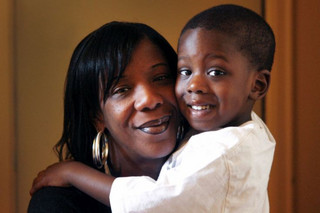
[(197, 84), (147, 98)]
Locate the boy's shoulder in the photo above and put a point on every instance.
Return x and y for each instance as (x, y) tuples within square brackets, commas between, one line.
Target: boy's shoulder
[(230, 136), (240, 141), (253, 133)]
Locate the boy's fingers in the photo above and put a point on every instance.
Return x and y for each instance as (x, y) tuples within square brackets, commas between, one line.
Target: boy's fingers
[(34, 187), (36, 184)]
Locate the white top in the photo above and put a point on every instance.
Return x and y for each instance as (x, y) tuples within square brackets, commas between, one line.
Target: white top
[(216, 171)]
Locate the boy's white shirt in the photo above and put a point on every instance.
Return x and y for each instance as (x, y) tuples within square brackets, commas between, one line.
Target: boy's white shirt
[(216, 171)]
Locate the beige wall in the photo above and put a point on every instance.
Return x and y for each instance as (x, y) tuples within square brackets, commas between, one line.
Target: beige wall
[(46, 33), (293, 105), (307, 105), (7, 165)]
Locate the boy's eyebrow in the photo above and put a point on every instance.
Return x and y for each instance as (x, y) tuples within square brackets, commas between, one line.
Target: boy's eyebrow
[(182, 57), (214, 55), (211, 55)]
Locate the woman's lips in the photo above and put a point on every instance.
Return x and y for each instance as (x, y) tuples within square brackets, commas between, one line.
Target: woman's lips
[(156, 126)]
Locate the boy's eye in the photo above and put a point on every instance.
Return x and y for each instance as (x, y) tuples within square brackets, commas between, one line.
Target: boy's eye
[(184, 72), (216, 72)]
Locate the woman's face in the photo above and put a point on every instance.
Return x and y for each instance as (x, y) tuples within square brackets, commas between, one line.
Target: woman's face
[(141, 112)]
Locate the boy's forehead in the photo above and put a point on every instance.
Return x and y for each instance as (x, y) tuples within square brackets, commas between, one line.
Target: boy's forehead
[(206, 39), (211, 34), (203, 44)]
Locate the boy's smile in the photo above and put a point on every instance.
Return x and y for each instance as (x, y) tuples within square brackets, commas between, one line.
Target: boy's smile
[(214, 80)]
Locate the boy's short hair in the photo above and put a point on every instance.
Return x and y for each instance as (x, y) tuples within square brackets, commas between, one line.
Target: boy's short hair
[(254, 36)]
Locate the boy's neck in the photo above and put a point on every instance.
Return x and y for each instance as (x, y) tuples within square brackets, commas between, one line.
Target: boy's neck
[(238, 121)]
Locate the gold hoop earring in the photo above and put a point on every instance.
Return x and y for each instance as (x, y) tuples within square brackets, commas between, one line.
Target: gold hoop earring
[(100, 153)]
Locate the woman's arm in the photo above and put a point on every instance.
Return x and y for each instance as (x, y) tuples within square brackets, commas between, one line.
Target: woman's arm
[(72, 173)]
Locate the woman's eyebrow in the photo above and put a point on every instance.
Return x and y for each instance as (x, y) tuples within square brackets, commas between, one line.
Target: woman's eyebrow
[(116, 79), (160, 64)]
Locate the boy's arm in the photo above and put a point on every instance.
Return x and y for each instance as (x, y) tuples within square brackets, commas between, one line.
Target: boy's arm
[(194, 179), (187, 190), (212, 165), (92, 182)]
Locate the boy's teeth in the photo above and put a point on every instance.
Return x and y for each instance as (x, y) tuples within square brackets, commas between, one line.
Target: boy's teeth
[(200, 107)]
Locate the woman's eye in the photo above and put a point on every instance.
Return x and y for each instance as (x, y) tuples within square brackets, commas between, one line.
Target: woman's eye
[(185, 72), (216, 72), (162, 77), (120, 90)]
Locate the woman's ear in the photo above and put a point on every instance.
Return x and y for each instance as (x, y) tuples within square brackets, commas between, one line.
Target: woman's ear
[(260, 85)]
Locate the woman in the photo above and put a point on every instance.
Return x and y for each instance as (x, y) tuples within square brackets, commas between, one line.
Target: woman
[(120, 83)]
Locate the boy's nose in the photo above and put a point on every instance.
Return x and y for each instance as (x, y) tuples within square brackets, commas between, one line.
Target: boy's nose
[(147, 98), (197, 84)]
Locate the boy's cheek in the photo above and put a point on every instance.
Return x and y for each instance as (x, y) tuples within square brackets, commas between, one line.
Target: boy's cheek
[(179, 88)]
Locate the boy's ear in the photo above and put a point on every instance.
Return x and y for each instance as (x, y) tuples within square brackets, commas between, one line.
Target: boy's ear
[(260, 85)]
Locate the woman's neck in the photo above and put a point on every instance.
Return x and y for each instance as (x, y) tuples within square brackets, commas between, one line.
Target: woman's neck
[(150, 168), (122, 165)]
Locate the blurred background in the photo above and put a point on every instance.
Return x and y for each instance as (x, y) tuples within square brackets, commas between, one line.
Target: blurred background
[(36, 42)]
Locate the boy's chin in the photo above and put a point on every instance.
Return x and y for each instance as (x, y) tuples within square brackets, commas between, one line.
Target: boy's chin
[(203, 126)]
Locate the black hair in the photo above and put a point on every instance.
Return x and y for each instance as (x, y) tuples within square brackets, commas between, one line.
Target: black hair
[(254, 36), (97, 62)]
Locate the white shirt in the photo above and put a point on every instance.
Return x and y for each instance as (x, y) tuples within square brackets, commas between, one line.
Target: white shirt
[(216, 171)]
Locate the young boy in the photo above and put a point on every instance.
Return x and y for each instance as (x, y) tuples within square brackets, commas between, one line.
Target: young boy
[(225, 55)]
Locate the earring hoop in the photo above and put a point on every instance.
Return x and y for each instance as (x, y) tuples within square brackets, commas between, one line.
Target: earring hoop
[(100, 150)]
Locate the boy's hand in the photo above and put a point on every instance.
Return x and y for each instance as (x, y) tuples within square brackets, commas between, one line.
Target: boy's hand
[(73, 173), (54, 175)]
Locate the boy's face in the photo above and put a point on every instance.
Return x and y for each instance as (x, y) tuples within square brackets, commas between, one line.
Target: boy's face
[(214, 80)]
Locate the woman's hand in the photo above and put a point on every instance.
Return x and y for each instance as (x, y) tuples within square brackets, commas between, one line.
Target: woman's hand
[(54, 175)]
